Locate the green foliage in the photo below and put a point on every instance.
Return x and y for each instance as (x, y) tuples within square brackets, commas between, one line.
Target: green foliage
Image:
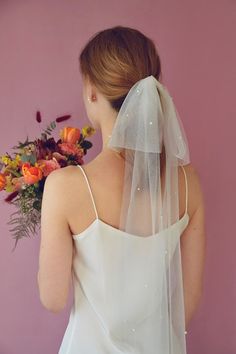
[(49, 129), (27, 218), (22, 145), (29, 158)]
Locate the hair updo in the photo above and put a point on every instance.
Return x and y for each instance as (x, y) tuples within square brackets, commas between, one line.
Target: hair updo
[(116, 58)]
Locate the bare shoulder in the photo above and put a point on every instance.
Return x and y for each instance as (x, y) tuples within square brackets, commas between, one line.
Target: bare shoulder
[(61, 182), (60, 177), (65, 173)]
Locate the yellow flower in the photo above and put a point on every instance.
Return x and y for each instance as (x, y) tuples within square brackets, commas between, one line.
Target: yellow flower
[(9, 185), (11, 163), (5, 159), (87, 131)]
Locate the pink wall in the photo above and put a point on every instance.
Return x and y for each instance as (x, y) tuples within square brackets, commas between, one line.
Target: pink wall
[(40, 42)]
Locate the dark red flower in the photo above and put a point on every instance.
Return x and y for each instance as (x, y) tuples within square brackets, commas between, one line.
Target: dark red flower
[(11, 196), (62, 118), (38, 117)]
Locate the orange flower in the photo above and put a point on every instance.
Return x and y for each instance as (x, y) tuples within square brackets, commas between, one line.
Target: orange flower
[(3, 181), (47, 166), (31, 174), (69, 135)]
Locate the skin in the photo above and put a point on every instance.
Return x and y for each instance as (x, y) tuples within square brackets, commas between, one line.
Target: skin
[(70, 212)]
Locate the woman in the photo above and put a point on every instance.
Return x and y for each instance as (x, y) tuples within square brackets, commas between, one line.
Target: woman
[(94, 223)]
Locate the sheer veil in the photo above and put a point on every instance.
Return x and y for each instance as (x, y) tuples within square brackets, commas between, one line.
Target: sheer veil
[(150, 136)]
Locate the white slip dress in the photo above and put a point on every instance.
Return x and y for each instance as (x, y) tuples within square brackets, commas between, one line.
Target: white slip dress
[(87, 331)]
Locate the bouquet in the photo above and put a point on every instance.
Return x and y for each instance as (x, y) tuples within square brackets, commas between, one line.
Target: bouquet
[(23, 175)]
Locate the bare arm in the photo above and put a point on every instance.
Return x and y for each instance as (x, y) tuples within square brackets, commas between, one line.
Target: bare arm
[(56, 248), (193, 244)]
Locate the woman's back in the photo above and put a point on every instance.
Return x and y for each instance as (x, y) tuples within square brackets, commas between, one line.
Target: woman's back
[(94, 326), (105, 175)]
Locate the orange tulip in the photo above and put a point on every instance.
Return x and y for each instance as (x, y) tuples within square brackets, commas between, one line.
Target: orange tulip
[(3, 181), (31, 174), (69, 135)]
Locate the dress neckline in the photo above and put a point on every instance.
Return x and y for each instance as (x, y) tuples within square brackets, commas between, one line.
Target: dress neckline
[(122, 233)]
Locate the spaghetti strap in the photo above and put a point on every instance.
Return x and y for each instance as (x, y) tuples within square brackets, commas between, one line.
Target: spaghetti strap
[(186, 190), (86, 178)]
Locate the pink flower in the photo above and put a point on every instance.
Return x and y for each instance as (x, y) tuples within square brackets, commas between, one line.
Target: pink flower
[(18, 182), (71, 149), (48, 166), (59, 156)]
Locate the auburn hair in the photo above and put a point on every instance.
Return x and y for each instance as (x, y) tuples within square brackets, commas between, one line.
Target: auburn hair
[(116, 58)]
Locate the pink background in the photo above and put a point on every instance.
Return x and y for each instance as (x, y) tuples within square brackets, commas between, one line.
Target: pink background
[(40, 42)]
